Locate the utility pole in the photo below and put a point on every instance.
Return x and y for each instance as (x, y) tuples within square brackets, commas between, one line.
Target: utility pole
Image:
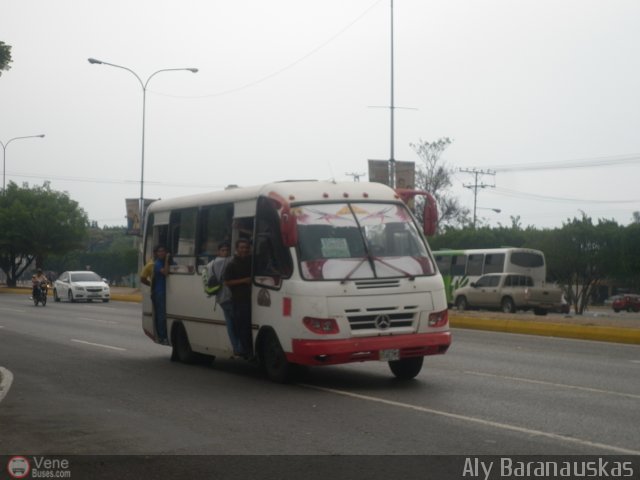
[(475, 185), (356, 176)]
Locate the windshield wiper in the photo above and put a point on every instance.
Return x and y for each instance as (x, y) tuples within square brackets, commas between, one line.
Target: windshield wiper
[(348, 277), (393, 267)]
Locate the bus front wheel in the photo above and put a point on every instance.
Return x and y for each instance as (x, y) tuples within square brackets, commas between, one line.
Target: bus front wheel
[(274, 360), (406, 368)]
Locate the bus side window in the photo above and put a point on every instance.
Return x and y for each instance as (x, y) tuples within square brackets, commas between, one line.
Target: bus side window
[(459, 265), (475, 263), (494, 263), (214, 227), (182, 228)]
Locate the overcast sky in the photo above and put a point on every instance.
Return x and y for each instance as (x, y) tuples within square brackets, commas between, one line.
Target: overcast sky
[(285, 90)]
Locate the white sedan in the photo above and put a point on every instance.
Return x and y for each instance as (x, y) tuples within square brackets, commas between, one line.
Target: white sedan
[(81, 285)]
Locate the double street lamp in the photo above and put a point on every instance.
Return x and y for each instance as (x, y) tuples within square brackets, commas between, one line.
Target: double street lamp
[(4, 154), (144, 85)]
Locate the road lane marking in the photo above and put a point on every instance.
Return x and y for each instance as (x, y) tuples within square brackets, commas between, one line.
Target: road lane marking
[(480, 421), (97, 320), (22, 310), (553, 384), (97, 344), (635, 361)]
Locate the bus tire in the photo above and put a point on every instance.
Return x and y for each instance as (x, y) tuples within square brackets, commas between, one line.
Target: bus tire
[(274, 360), (462, 304), (539, 311), (406, 368), (507, 305), (181, 348)]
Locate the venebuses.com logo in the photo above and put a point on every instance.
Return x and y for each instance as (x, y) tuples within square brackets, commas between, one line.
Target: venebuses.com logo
[(18, 467)]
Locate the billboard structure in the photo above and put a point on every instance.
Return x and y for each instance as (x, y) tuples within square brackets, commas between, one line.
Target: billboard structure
[(405, 173), (133, 214)]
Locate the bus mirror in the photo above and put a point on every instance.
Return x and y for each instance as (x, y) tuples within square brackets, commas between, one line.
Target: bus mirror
[(430, 216), (430, 212), (288, 228)]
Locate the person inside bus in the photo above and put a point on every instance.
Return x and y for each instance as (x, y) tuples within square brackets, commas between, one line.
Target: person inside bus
[(223, 297), (159, 292), (238, 279)]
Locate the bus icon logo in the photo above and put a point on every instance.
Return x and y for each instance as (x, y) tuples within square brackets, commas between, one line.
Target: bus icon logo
[(18, 467)]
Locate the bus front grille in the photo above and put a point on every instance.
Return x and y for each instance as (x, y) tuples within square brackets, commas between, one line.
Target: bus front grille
[(381, 321)]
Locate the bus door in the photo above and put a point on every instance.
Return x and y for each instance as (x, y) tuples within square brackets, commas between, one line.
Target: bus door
[(156, 232), (272, 265)]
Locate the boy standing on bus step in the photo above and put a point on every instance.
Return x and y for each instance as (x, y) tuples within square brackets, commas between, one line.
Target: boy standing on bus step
[(238, 279), (159, 293), (223, 298)]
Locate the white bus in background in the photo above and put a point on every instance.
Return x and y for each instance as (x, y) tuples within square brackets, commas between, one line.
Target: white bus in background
[(341, 273), (461, 267)]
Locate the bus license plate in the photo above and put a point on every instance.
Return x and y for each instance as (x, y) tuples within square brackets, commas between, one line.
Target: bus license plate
[(389, 355)]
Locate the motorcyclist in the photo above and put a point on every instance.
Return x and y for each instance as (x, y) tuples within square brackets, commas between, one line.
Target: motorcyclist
[(38, 278)]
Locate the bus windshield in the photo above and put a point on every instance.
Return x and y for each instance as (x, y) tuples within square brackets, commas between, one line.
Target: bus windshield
[(342, 241)]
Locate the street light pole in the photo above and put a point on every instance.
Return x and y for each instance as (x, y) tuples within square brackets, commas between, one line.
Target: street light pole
[(4, 154), (144, 85)]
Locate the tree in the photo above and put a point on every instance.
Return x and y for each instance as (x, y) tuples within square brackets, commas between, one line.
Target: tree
[(5, 57), (581, 255), (34, 223), (435, 177)]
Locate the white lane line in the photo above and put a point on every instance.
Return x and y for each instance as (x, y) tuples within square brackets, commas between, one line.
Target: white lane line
[(480, 421), (635, 361), (552, 384), (97, 344), (6, 309), (1, 326), (97, 320)]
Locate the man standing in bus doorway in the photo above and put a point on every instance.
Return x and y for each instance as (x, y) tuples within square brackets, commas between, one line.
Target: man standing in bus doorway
[(159, 293), (238, 279), (218, 267)]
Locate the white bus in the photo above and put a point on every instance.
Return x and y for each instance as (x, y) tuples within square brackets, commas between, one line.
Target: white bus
[(341, 273), (460, 267)]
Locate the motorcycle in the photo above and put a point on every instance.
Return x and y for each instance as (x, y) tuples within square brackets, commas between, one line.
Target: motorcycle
[(40, 294)]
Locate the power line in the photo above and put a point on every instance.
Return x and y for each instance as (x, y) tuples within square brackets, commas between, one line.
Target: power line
[(283, 69), (548, 198), (571, 164), (115, 181)]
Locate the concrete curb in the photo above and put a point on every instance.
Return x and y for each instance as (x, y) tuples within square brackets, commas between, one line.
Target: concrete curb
[(6, 379), (119, 297), (582, 332)]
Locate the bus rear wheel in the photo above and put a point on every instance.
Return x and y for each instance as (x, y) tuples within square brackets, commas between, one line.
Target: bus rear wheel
[(181, 350), (406, 368), (274, 360)]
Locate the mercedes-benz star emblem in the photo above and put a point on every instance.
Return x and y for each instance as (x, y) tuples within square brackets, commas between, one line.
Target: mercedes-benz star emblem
[(382, 322)]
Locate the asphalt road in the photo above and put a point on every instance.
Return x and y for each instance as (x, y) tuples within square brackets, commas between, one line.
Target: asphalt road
[(87, 381)]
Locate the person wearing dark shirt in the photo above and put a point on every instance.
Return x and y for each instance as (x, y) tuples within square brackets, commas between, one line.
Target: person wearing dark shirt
[(238, 278), (159, 292)]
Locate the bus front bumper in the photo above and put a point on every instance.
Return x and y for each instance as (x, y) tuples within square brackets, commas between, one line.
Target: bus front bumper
[(332, 352)]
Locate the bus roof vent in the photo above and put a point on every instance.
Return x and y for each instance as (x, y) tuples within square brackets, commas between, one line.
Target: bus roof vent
[(231, 187)]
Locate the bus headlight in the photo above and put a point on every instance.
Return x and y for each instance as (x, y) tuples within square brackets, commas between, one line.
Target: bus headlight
[(323, 326), (438, 319)]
